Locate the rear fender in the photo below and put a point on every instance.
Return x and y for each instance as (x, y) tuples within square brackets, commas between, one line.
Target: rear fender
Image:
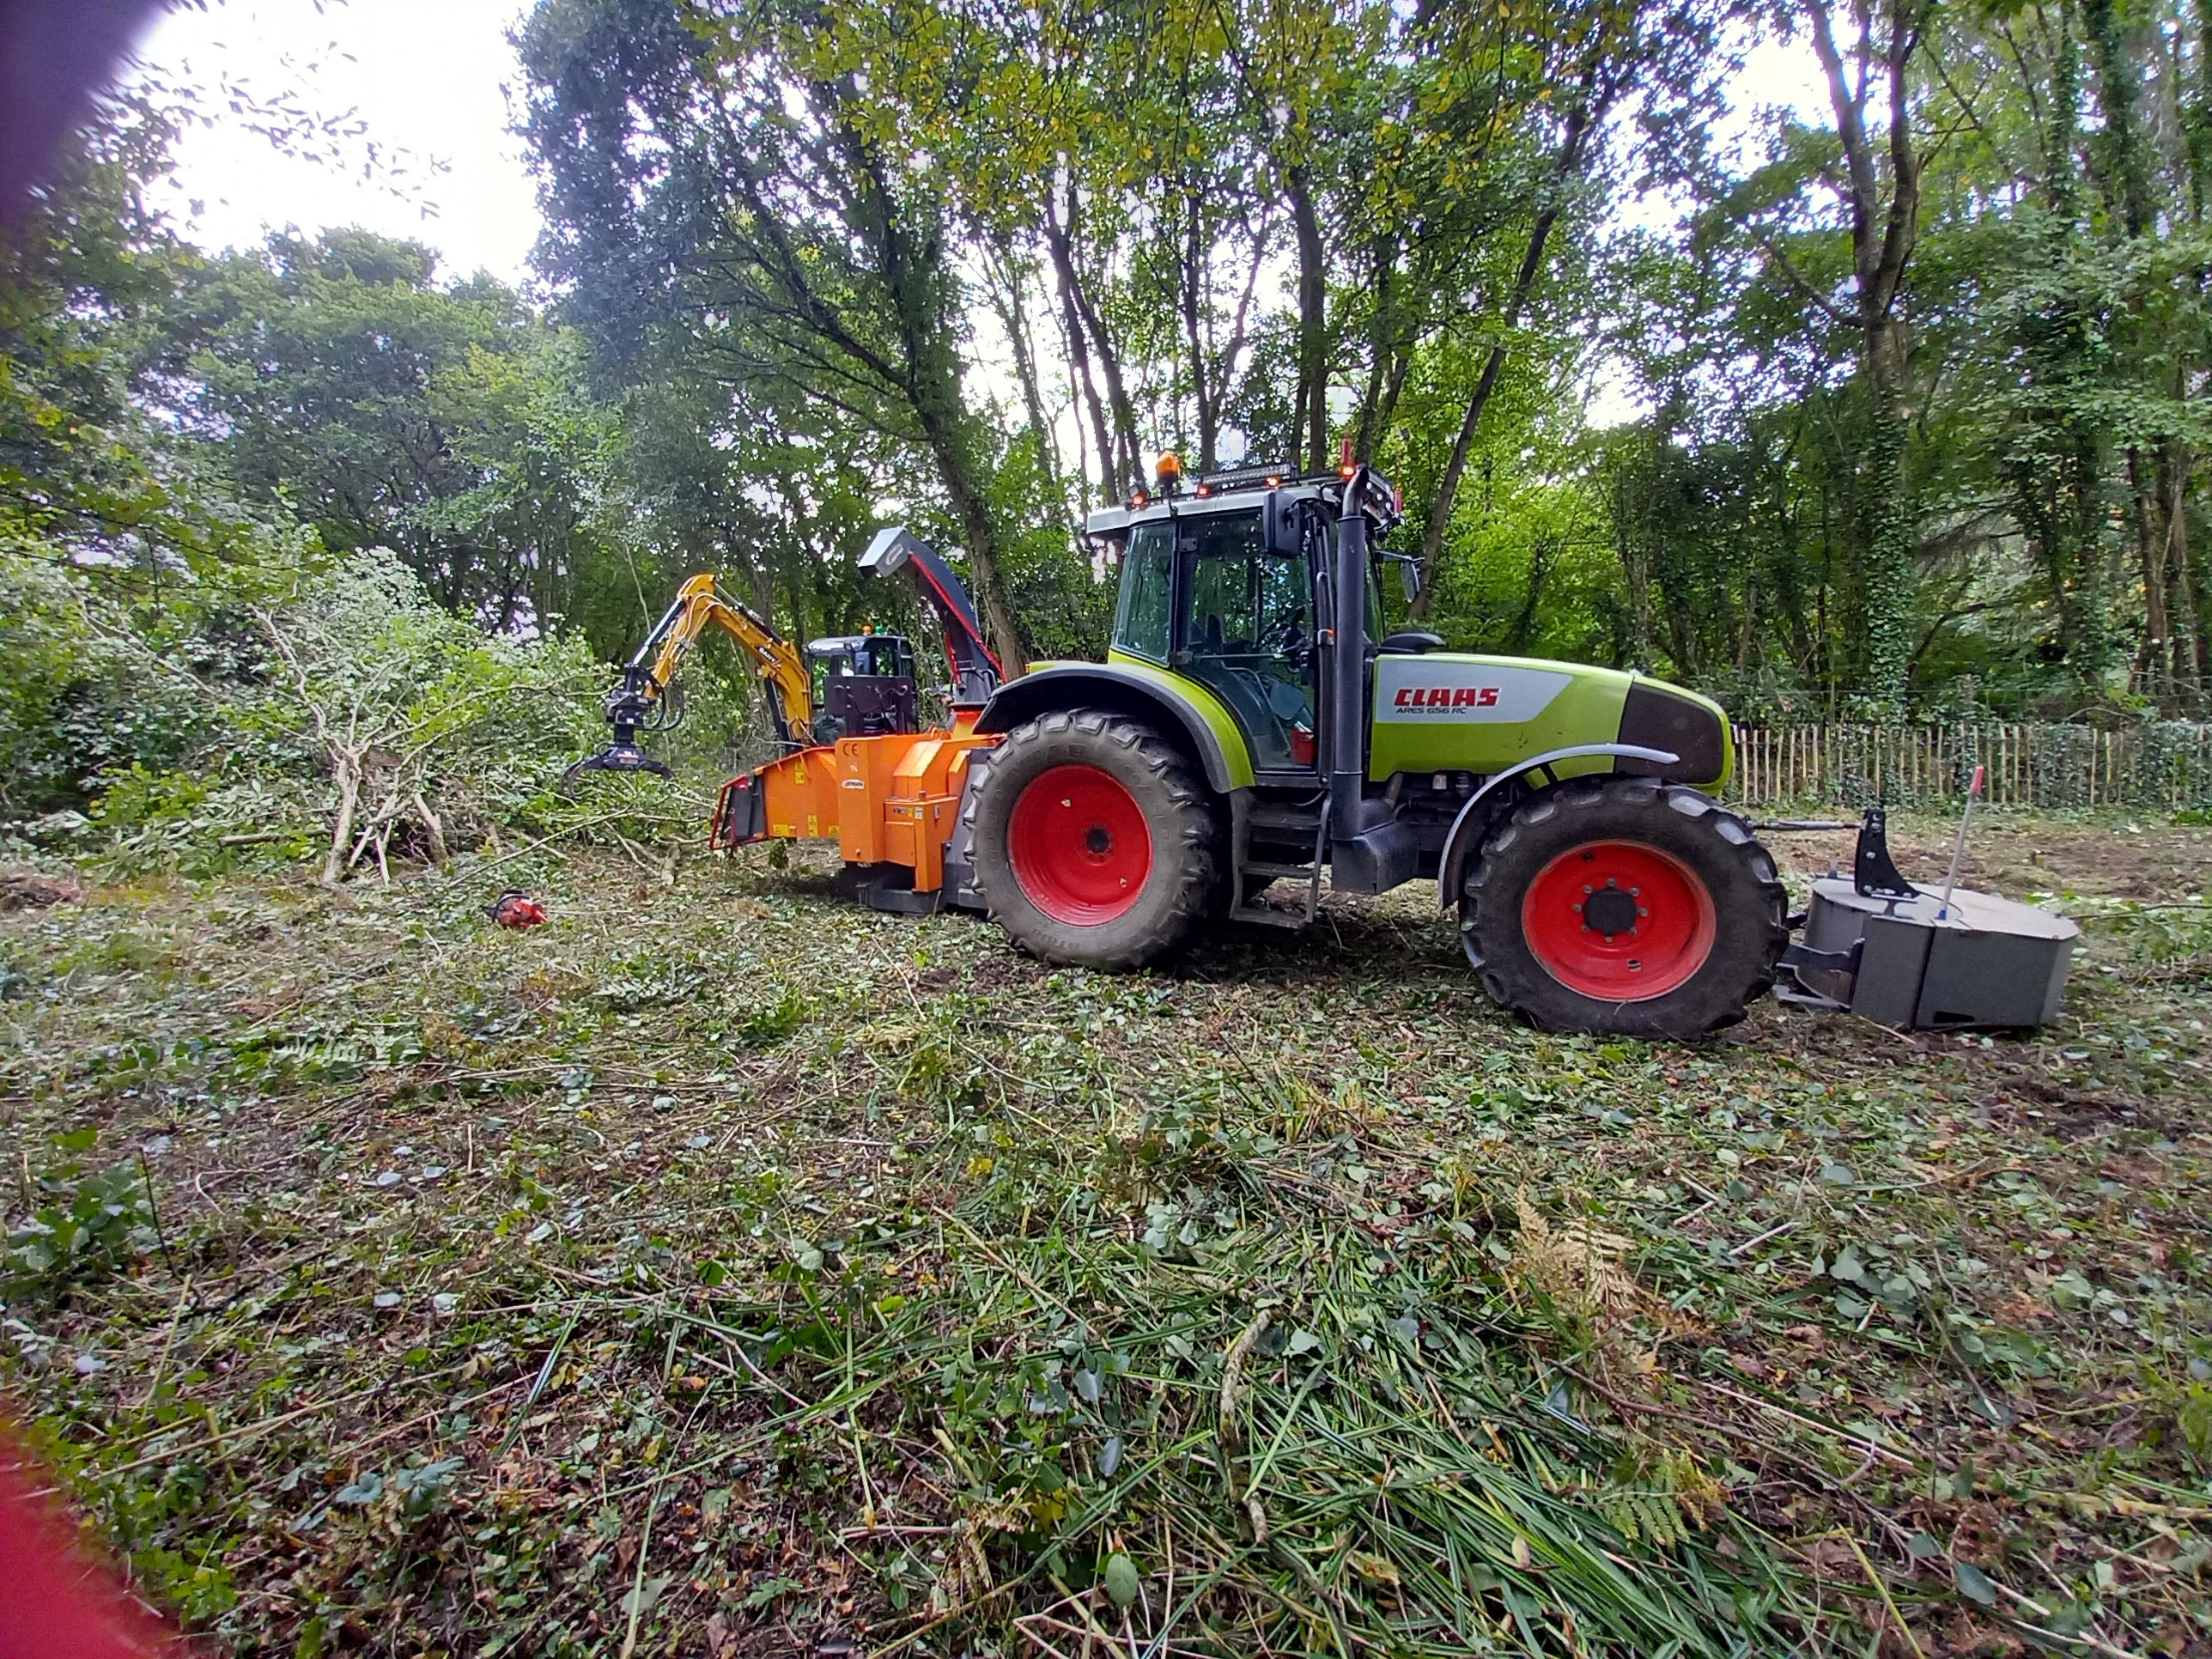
[(1466, 831), (1162, 700)]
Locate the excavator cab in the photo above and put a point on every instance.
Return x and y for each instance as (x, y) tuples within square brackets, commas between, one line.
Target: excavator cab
[(864, 686)]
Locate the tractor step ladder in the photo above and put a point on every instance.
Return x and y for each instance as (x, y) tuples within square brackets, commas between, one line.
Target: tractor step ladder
[(1297, 820)]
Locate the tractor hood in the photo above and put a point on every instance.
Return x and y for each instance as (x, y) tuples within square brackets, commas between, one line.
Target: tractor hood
[(1449, 711)]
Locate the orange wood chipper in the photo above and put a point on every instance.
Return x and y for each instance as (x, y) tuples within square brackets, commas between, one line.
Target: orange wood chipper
[(859, 768), (891, 799)]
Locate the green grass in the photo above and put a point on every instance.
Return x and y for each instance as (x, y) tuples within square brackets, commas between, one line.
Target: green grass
[(723, 1269)]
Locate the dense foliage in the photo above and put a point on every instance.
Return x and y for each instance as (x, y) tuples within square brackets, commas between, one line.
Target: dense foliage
[(1922, 374)]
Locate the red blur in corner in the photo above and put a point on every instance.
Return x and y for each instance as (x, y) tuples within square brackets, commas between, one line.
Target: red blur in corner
[(56, 1601)]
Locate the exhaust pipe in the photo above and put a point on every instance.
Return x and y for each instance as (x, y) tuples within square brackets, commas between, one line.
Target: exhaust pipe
[(1347, 665)]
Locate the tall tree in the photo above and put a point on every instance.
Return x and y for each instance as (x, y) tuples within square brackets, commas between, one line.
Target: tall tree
[(1880, 189), (1575, 64), (334, 375), (725, 175)]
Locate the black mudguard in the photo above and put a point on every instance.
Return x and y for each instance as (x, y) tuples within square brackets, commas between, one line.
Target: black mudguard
[(740, 814)]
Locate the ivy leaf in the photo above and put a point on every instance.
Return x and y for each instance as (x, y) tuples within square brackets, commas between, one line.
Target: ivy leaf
[(1121, 1582), (1974, 1584)]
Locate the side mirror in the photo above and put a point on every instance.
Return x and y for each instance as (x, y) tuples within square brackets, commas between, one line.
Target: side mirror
[(1409, 573)]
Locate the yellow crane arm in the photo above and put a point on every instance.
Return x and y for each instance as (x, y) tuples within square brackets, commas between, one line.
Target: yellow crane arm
[(700, 604)]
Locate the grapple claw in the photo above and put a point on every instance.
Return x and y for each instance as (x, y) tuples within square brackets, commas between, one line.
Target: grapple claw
[(616, 757)]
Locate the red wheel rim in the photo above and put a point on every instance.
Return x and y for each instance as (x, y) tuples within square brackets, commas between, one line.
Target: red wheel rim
[(1080, 846), (1618, 920)]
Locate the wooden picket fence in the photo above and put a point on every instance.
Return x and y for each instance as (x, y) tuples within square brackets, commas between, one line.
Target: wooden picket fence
[(2166, 765)]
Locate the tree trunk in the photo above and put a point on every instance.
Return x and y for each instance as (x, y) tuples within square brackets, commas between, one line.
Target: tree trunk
[(1886, 596), (1401, 362), (1015, 318), (1117, 394), (1060, 239), (1190, 271), (2196, 113), (956, 469), (1383, 351), (1636, 576), (1087, 390), (2151, 674), (345, 770), (1121, 473), (1311, 407), (910, 260), (2191, 669), (2081, 619), (2118, 81), (1882, 242)]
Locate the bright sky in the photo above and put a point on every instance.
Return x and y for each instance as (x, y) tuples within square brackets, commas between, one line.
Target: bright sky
[(431, 78)]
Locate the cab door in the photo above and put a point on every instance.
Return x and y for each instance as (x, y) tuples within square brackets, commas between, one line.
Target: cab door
[(1246, 633)]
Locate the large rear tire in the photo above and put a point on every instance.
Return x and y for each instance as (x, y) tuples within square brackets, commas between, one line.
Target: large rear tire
[(1626, 907), (1094, 841)]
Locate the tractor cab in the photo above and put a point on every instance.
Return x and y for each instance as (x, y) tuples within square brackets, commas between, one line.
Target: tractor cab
[(1227, 584), (864, 684)]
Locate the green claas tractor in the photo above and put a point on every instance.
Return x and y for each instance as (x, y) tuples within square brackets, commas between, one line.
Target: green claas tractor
[(1254, 728)]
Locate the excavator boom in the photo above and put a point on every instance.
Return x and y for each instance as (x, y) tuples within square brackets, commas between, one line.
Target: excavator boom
[(701, 604)]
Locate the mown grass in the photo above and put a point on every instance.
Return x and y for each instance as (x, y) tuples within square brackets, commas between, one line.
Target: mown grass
[(723, 1269)]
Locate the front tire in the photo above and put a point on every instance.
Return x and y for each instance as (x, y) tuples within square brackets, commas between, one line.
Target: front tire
[(1094, 841), (1626, 907)]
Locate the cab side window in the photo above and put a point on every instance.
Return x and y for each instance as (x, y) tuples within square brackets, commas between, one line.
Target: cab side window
[(1141, 627), (1224, 585)]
